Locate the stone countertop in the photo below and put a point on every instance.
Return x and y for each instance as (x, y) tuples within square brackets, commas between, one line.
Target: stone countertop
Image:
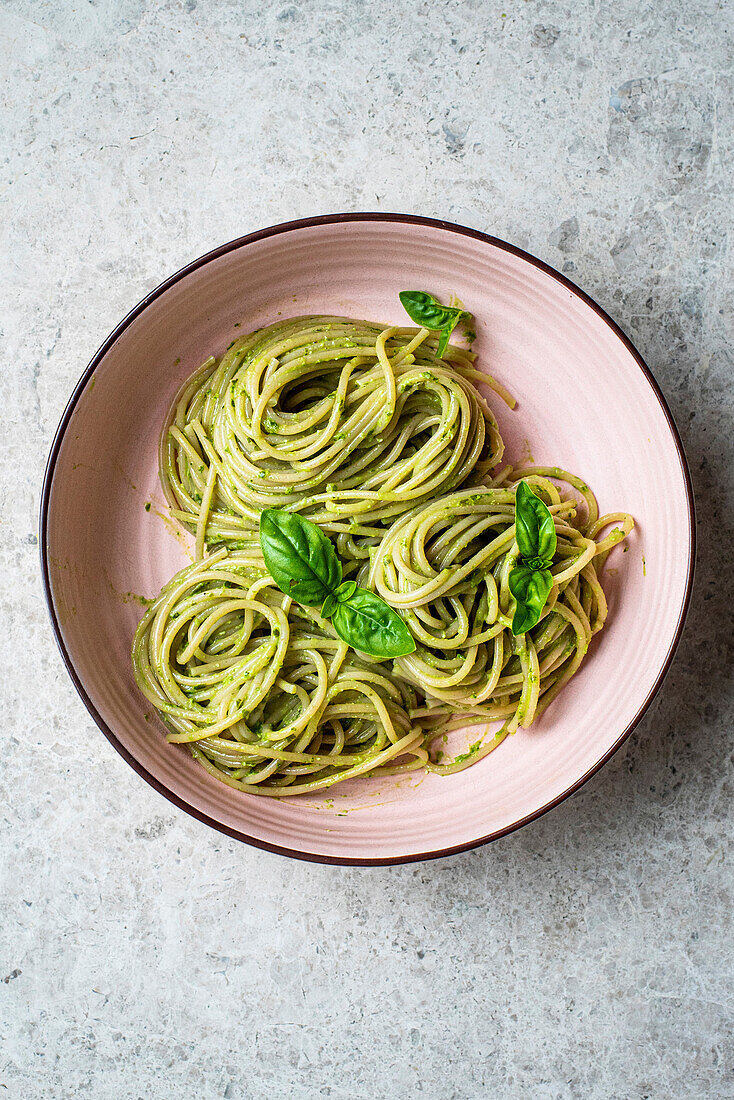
[(143, 955)]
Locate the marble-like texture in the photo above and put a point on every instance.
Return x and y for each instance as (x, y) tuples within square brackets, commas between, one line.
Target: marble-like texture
[(142, 955)]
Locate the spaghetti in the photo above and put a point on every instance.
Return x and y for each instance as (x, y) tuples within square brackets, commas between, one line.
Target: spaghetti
[(346, 422), (365, 431)]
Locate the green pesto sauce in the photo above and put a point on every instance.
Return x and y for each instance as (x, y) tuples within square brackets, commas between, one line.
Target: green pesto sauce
[(471, 752), (133, 597)]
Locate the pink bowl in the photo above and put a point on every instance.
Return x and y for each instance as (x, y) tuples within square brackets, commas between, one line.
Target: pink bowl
[(586, 401)]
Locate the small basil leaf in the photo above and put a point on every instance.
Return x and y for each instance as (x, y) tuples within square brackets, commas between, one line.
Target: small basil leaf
[(346, 590), (531, 588), (425, 310), (299, 557), (443, 342), (535, 530), (370, 625), (329, 606)]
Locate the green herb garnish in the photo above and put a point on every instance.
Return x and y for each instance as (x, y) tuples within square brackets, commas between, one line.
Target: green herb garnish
[(428, 312), (531, 579), (303, 563)]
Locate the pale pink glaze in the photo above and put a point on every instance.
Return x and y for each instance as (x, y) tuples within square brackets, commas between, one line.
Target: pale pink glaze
[(584, 402)]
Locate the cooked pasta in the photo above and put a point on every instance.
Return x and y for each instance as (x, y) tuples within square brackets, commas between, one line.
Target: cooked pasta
[(365, 431), (262, 692), (347, 422), (446, 568)]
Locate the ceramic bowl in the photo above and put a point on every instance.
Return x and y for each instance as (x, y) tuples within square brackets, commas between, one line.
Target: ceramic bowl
[(586, 402)]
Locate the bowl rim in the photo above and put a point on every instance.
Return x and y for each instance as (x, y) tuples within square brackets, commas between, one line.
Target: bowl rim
[(242, 242)]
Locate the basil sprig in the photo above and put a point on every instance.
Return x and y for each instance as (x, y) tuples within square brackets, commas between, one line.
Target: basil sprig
[(426, 311), (531, 579), (303, 563)]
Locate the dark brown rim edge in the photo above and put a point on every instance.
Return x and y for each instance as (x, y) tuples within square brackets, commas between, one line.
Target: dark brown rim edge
[(275, 230)]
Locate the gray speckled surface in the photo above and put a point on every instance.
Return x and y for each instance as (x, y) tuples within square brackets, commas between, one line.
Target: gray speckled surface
[(141, 954)]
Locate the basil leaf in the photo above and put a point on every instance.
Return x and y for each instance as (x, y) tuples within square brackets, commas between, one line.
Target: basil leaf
[(329, 606), (370, 625), (443, 342), (426, 311), (535, 530), (299, 557), (531, 588), (303, 563), (346, 590)]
